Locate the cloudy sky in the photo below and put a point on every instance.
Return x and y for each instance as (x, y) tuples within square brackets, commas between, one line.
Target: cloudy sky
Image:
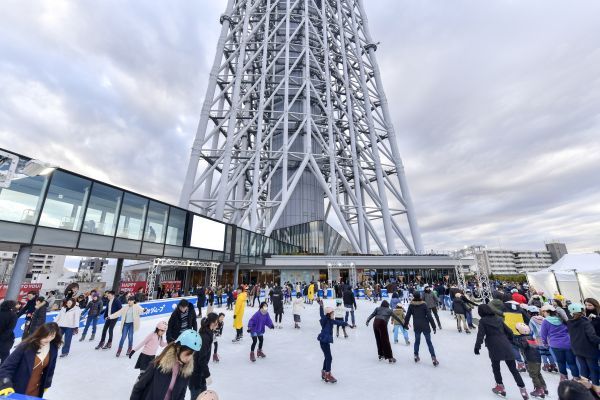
[(496, 104)]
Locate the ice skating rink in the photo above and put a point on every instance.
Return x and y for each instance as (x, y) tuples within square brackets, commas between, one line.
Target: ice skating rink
[(292, 367)]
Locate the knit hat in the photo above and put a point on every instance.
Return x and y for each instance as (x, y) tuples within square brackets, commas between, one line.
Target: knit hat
[(328, 310), (522, 328)]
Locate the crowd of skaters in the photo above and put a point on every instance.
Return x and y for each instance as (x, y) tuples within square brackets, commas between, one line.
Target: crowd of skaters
[(520, 327)]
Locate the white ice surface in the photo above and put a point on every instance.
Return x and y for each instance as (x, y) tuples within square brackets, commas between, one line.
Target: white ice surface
[(294, 359)]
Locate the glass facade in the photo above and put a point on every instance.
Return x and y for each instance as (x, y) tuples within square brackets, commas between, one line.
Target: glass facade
[(65, 201), (156, 225), (176, 227), (22, 200), (316, 237), (131, 219), (102, 210)]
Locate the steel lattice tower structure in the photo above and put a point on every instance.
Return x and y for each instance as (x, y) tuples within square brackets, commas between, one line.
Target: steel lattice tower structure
[(295, 125)]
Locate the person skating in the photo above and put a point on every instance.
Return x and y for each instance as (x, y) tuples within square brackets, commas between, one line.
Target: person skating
[(422, 320), (460, 311), (28, 310), (529, 347), (182, 319), (256, 328), (201, 294), (200, 377), (325, 339), (112, 306), (297, 308), (555, 334), (167, 377), (498, 337), (277, 301), (68, 321), (401, 314), (311, 293), (30, 368), (382, 315), (431, 299), (94, 309), (238, 313), (584, 343), (349, 304), (8, 321), (592, 312), (149, 346), (218, 332), (338, 315), (535, 325), (130, 323), (38, 318)]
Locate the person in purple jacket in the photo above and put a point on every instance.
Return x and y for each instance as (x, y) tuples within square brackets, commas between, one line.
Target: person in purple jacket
[(256, 328), (555, 334)]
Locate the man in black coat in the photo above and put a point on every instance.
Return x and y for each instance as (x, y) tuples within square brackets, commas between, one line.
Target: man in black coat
[(182, 318), (422, 320), (201, 294), (349, 304), (8, 321), (38, 318), (112, 306)]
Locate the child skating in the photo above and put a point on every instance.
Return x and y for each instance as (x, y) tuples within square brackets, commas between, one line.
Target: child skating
[(338, 315), (217, 334), (256, 328), (297, 309), (528, 346), (150, 345), (401, 314), (325, 339)]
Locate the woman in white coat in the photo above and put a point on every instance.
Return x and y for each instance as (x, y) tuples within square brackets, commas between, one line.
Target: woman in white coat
[(130, 322), (68, 321)]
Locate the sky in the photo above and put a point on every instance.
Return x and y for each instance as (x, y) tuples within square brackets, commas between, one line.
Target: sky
[(496, 104)]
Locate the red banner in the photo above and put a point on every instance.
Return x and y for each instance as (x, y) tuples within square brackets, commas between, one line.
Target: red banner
[(25, 287), (171, 285), (132, 286)]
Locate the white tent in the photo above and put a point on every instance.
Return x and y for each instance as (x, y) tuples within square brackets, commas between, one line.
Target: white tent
[(575, 276)]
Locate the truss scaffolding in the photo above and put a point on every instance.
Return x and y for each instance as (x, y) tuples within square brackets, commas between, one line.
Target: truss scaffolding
[(158, 263)]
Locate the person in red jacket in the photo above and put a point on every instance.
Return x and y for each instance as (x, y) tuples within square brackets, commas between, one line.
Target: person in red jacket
[(518, 297)]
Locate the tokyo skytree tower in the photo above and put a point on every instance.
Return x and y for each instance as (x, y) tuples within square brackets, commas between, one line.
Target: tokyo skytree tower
[(295, 127)]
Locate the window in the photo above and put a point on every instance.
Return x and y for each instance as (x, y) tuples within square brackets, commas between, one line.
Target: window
[(131, 219), (64, 203), (101, 214), (157, 222), (21, 201), (176, 227)]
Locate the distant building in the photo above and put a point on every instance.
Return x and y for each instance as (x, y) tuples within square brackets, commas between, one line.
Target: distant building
[(557, 250), (513, 262), (41, 266)]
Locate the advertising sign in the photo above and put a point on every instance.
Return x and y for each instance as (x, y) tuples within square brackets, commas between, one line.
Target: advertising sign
[(132, 286), (25, 287)]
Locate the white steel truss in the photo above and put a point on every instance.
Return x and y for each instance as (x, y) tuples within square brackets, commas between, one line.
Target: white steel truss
[(158, 263), (295, 91)]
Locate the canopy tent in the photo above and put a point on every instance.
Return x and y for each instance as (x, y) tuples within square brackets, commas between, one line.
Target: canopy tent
[(575, 276)]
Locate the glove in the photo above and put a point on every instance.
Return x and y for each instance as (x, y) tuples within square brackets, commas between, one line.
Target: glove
[(131, 353), (477, 350), (208, 381), (6, 391), (367, 324), (233, 316), (434, 331)]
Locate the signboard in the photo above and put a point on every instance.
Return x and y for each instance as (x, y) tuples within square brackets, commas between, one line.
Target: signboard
[(171, 285), (207, 234), (25, 287), (132, 286)]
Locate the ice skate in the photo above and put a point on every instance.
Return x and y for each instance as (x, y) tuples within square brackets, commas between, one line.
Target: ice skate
[(467, 331), (345, 336), (407, 342), (329, 378), (417, 359), (538, 393), (100, 345), (119, 351), (563, 377), (553, 368), (323, 373), (92, 338), (459, 330), (381, 358), (237, 339), (129, 349), (435, 361), (260, 354), (499, 390), (524, 393), (82, 338), (391, 360), (216, 358), (252, 357), (107, 346), (546, 368)]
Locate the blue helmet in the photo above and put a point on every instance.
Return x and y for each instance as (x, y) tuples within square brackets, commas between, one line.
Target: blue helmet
[(190, 338)]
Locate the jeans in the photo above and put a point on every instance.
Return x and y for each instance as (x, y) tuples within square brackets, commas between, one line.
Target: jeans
[(67, 336), (326, 348), (469, 316), (109, 326), (512, 367), (589, 368), (427, 339), (563, 358), (404, 333), (349, 310), (127, 331), (93, 321)]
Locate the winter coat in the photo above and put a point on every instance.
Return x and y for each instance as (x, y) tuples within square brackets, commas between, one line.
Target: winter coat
[(497, 337), (19, 364), (277, 300), (349, 299), (298, 306), (555, 333), (201, 358), (311, 292), (8, 321), (519, 298), (399, 312), (94, 308), (238, 311), (529, 348), (459, 306), (258, 322), (384, 313), (154, 382), (174, 324), (201, 297), (584, 340), (535, 325), (339, 312), (69, 318), (422, 318), (326, 335), (38, 318), (431, 299), (114, 307), (137, 312), (151, 343), (28, 308)]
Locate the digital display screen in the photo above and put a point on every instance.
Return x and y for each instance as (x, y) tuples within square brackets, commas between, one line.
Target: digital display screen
[(207, 234)]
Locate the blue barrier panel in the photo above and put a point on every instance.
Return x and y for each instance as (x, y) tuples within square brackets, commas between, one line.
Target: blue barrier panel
[(320, 293), (384, 293), (361, 293), (153, 308), (330, 292), (16, 396)]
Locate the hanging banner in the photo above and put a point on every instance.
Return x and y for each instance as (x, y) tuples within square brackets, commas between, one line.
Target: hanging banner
[(25, 288), (132, 286), (171, 285)]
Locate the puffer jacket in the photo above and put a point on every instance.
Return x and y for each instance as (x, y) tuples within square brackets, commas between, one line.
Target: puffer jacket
[(584, 340), (555, 333), (430, 298)]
